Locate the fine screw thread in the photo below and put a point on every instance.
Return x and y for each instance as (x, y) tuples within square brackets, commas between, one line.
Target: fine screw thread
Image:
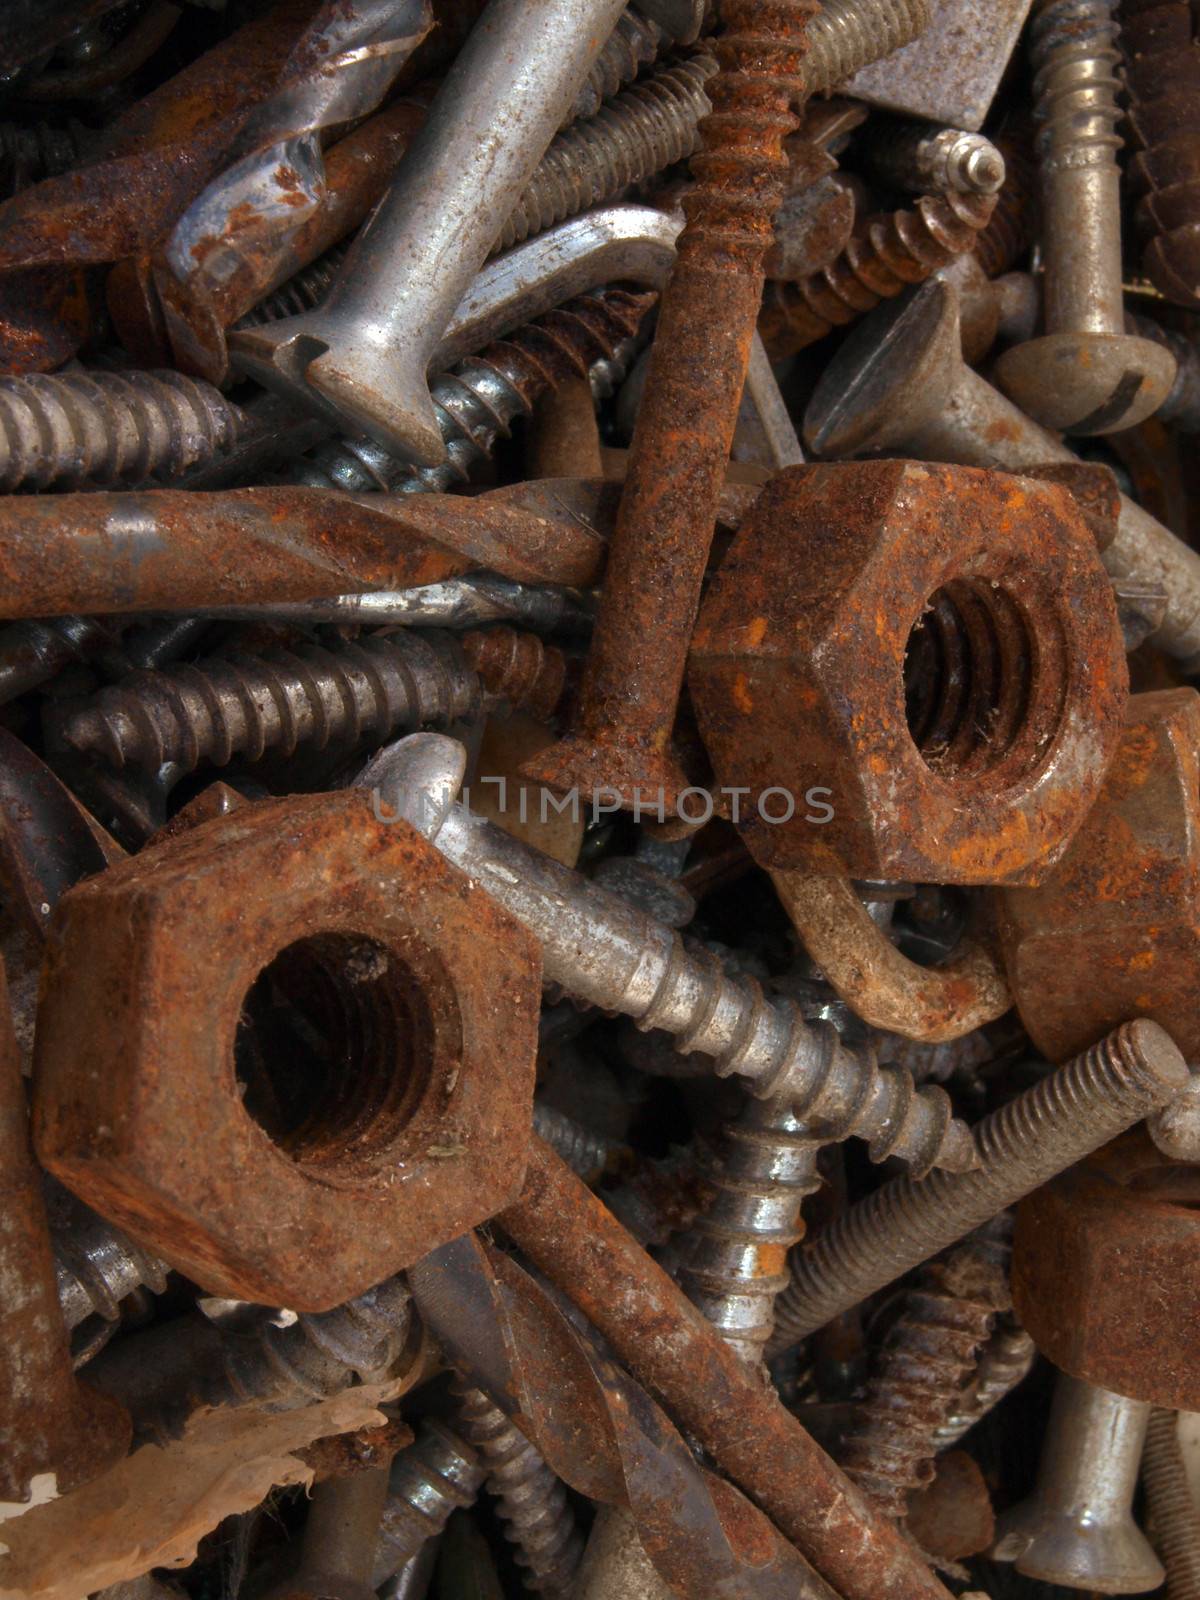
[(917, 157), (517, 667), (477, 401), (881, 261), (437, 1474), (311, 696), (927, 1357), (97, 1266), (531, 1500), (847, 35), (1174, 1515), (1061, 1119), (733, 1258), (1005, 1361), (633, 44), (63, 429), (589, 1155), (318, 1355)]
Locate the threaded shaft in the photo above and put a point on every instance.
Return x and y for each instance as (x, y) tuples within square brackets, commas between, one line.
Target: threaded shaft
[(733, 1258), (1182, 405), (1061, 1119), (35, 151), (1174, 1516), (66, 428), (929, 1352), (35, 650), (303, 291), (532, 1502), (517, 667), (437, 1474), (587, 1154), (881, 261), (1006, 1360), (319, 1354), (186, 714), (477, 401), (633, 44), (915, 156), (847, 35), (1075, 57), (97, 1266), (646, 128), (1010, 232)]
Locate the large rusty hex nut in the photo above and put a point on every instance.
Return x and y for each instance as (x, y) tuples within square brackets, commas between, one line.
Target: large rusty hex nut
[(910, 671), (398, 1110), (1113, 932), (1106, 1273)]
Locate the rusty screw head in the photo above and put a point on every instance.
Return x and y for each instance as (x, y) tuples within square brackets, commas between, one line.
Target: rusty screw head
[(423, 996), (931, 652)]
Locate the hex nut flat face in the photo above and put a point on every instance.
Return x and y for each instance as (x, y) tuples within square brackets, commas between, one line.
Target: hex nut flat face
[(433, 992), (1106, 1273), (1113, 931), (932, 652)]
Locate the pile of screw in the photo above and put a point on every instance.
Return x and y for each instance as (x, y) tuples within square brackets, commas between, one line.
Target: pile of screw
[(599, 798)]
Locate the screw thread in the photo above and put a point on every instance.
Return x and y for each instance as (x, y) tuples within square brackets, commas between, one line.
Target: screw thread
[(1006, 1360), (478, 400), (929, 1353), (303, 291), (34, 650), (1069, 1113), (437, 1474), (733, 1258), (186, 714), (646, 128), (914, 156), (315, 1356), (531, 1500), (890, 253), (66, 428), (1175, 1524), (847, 35), (96, 1266), (35, 151), (633, 44), (1073, 47), (1009, 233), (518, 667), (587, 1154)]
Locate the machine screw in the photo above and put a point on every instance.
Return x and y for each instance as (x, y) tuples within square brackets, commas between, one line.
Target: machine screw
[(913, 155), (62, 429), (1174, 1523), (437, 1474), (1061, 1119), (602, 949), (1077, 1529), (589, 1155), (531, 1500), (1085, 374), (899, 383)]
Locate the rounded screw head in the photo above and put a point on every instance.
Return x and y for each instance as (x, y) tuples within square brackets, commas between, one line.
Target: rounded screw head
[(1087, 383)]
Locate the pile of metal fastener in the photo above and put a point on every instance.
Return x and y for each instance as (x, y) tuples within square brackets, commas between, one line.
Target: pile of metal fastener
[(599, 799)]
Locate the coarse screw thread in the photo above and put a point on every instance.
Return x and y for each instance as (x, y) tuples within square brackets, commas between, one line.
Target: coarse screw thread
[(532, 1502), (317, 1355), (478, 400), (929, 1352), (97, 1266), (1071, 1112), (1073, 44), (246, 706), (1006, 1359), (883, 259), (921, 158), (733, 1258), (589, 1155), (34, 650), (63, 429), (435, 1475), (1174, 1515), (633, 44), (1013, 224), (517, 667)]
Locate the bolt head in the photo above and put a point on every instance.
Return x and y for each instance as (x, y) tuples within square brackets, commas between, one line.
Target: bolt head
[(1087, 383)]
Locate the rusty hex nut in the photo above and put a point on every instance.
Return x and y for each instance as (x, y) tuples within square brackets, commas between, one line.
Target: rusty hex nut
[(910, 671), (410, 1121), (1113, 932), (1106, 1273)]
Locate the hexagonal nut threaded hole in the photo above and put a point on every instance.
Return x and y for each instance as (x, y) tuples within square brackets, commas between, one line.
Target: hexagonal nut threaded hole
[(982, 689), (334, 1049)]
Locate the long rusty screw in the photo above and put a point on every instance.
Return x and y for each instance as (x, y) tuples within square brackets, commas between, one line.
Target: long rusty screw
[(1174, 1515), (50, 1423), (1061, 1119), (685, 425)]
